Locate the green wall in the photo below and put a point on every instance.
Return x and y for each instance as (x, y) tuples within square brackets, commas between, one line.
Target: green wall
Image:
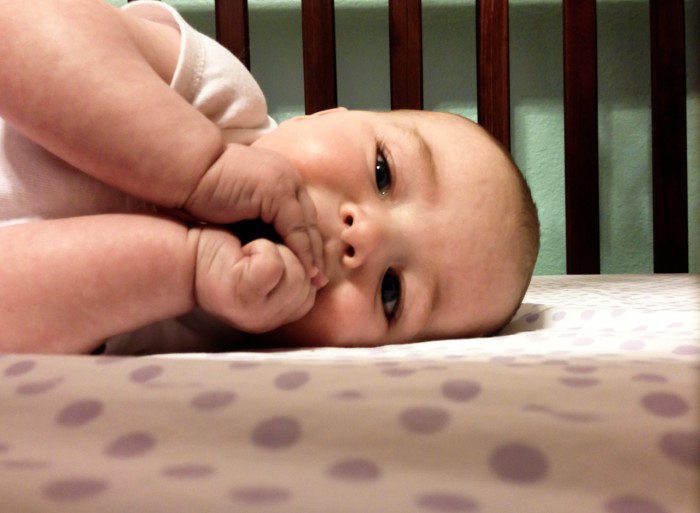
[(536, 99)]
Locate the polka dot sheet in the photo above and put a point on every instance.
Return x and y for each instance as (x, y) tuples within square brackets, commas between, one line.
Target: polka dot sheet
[(588, 402)]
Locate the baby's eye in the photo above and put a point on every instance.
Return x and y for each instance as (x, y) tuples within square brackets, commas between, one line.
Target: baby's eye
[(382, 174), (391, 294)]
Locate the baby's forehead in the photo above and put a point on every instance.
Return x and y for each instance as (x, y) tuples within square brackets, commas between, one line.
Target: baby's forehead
[(429, 118), (443, 131), (456, 146)]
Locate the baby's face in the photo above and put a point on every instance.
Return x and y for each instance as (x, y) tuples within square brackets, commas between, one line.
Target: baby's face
[(416, 211)]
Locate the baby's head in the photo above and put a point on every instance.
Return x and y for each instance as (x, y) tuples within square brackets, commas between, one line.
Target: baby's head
[(429, 229)]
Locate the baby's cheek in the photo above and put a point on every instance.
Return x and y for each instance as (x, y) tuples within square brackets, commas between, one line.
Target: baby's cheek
[(340, 316)]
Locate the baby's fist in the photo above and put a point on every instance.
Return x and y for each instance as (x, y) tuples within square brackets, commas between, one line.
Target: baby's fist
[(255, 288)]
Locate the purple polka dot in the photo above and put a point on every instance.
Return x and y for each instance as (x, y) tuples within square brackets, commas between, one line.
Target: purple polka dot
[(434, 367), (398, 372), (424, 419), (581, 369), (561, 415), (576, 417), (79, 413), (617, 312), (277, 433), (38, 387), (188, 471), (583, 341), (446, 502), (146, 374), (131, 445), (588, 314), (579, 382), (531, 318), (682, 447), (212, 400), (519, 463), (665, 404), (555, 362), (19, 368), (558, 316), (24, 464), (242, 365), (633, 504), (649, 377), (4, 447), (75, 489), (291, 380), (461, 390), (348, 395), (632, 345), (355, 470), (260, 495), (504, 359), (109, 359), (687, 350)]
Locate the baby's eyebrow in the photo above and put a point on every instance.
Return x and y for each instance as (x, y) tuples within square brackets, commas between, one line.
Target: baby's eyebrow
[(425, 153)]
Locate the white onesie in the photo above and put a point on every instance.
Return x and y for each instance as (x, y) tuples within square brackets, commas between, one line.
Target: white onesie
[(34, 184)]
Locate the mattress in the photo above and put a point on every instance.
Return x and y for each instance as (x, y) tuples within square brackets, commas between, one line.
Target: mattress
[(589, 400)]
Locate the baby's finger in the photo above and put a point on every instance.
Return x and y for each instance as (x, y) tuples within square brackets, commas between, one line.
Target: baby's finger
[(315, 238), (299, 242), (290, 222), (296, 293)]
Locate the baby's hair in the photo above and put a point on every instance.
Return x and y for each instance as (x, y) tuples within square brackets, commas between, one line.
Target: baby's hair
[(528, 227)]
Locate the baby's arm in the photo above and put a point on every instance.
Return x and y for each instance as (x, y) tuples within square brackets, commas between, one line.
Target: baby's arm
[(76, 78), (68, 284), (89, 82)]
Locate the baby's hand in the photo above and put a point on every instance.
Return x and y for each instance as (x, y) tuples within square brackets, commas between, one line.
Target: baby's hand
[(255, 288), (250, 183)]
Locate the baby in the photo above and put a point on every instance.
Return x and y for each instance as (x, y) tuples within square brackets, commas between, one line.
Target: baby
[(131, 144)]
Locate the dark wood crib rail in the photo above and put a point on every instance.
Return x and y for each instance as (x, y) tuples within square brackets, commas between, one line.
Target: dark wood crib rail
[(669, 161), (669, 136)]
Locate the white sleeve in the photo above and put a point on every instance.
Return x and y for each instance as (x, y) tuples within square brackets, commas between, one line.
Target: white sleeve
[(211, 78)]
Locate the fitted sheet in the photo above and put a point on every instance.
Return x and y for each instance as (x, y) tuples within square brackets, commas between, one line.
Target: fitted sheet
[(589, 400)]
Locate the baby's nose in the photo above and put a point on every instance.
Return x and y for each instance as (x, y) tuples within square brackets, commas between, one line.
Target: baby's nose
[(361, 236)]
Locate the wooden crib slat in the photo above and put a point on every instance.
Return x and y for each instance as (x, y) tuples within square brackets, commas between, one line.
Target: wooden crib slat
[(493, 81), (581, 137), (318, 33), (232, 27), (669, 146), (406, 54)]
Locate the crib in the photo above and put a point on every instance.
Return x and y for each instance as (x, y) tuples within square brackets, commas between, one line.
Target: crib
[(588, 401)]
